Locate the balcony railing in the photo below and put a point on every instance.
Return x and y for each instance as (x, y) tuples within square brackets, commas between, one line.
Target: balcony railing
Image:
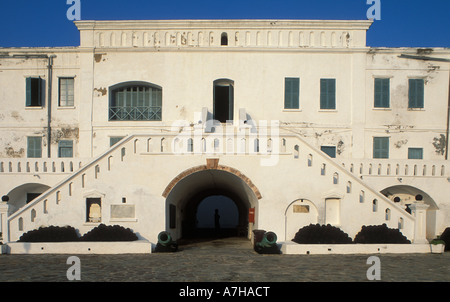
[(147, 113)]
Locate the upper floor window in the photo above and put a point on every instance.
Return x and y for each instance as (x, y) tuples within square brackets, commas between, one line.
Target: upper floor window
[(381, 97), (223, 104), (416, 93), (66, 92), (291, 93), (327, 93), (34, 92), (34, 147), (135, 101)]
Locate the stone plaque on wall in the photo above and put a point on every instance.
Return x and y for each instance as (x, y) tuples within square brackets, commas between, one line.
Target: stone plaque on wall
[(301, 208), (122, 211)]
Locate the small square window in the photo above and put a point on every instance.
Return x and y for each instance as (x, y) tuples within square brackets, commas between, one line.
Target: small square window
[(65, 148), (329, 150), (415, 153), (114, 140)]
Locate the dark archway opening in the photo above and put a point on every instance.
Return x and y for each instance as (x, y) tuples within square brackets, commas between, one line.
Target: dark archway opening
[(200, 220)]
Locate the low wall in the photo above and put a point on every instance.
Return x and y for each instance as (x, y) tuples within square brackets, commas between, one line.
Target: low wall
[(293, 248), (122, 247)]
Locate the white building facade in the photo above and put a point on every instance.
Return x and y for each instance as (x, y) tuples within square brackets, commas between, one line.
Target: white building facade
[(296, 121)]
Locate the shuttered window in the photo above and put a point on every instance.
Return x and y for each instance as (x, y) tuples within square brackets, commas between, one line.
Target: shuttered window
[(382, 97), (65, 148), (327, 93), (416, 93), (33, 92), (381, 147), (34, 147), (291, 93)]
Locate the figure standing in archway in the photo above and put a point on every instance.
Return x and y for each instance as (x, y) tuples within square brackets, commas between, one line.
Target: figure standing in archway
[(217, 220)]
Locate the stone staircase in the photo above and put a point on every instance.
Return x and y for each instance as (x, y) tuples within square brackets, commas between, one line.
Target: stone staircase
[(64, 203)]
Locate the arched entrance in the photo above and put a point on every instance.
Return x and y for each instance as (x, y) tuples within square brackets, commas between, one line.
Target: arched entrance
[(23, 194), (221, 185), (405, 195)]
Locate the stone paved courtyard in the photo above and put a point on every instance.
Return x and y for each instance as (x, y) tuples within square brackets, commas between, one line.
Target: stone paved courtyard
[(225, 260)]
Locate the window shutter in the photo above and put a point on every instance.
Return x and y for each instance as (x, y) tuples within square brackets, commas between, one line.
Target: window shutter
[(332, 94), (419, 93), (28, 92), (323, 93), (385, 94)]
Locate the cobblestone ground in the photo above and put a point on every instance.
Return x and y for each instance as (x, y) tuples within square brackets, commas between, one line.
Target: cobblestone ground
[(225, 260)]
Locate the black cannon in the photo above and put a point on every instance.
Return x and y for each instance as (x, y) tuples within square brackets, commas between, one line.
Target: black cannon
[(166, 243), (267, 244)]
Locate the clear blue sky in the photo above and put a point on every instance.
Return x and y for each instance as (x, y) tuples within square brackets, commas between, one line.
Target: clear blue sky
[(408, 23)]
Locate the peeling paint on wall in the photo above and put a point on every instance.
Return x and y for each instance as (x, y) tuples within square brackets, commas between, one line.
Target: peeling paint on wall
[(66, 132), (11, 153), (98, 57), (400, 143), (101, 91), (439, 144)]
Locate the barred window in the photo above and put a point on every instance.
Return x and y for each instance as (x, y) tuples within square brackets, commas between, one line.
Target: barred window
[(135, 101)]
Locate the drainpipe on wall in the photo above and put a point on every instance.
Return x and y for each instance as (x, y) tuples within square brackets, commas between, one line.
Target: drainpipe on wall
[(49, 93), (448, 119), (49, 104), (424, 58)]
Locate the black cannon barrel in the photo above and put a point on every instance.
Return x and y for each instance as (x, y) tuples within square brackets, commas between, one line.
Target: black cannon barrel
[(164, 238), (166, 243)]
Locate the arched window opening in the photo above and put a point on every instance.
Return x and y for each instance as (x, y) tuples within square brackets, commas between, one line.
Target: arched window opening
[(135, 101), (335, 178), (375, 205), (387, 214), (224, 39)]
